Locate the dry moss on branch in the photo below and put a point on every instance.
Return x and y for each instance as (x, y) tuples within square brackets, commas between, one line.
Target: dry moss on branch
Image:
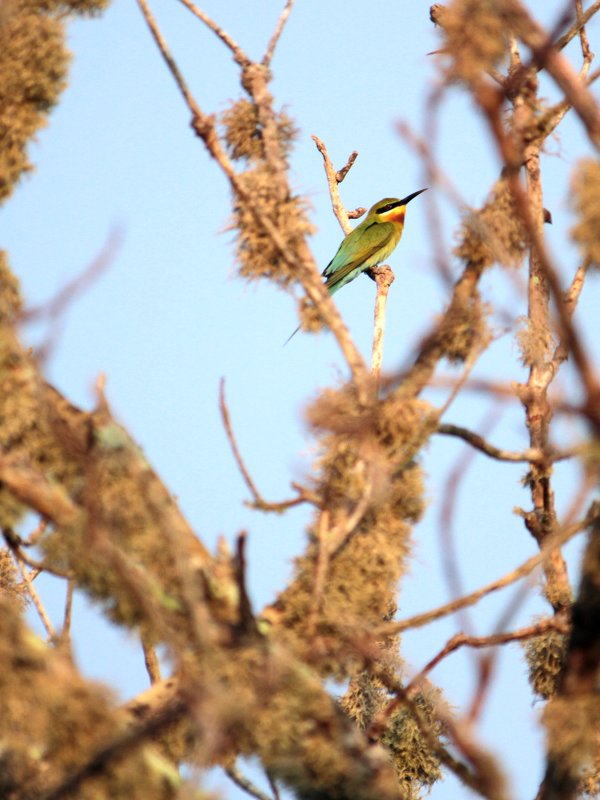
[(53, 721), (367, 462), (586, 199), (475, 36), (257, 255), (545, 656), (494, 234), (33, 73)]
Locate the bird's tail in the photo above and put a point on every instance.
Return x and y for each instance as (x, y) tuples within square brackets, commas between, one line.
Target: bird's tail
[(291, 336)]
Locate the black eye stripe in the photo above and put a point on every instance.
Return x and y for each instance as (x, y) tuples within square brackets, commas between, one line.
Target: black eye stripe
[(389, 207)]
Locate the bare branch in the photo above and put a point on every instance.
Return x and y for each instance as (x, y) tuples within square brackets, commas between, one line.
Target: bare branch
[(582, 19), (151, 661), (238, 54), (65, 633), (259, 502), (268, 56), (332, 181), (479, 443), (35, 598), (383, 277), (34, 490), (245, 784), (555, 623), (526, 568)]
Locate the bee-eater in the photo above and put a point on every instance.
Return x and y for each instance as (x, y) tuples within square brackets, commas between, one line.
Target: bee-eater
[(368, 244)]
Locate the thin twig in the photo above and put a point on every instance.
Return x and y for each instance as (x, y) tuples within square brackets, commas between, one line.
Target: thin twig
[(55, 308), (273, 785), (65, 634), (557, 540), (268, 56), (341, 173), (321, 567), (459, 640), (448, 548), (244, 783), (582, 20), (35, 598), (258, 500), (238, 54), (513, 456), (169, 60), (332, 182), (571, 299)]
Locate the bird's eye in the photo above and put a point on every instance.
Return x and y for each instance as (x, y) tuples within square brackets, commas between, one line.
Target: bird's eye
[(387, 207)]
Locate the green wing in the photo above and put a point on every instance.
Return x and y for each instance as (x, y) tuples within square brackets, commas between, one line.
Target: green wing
[(361, 249)]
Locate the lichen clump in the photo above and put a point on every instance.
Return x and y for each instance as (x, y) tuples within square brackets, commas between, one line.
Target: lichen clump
[(545, 656), (586, 199), (243, 134), (370, 490), (475, 37), (33, 73), (495, 234), (257, 254)]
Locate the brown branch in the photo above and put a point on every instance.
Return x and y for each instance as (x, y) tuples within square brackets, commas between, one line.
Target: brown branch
[(65, 633), (268, 56), (555, 623), (32, 488), (53, 309), (582, 19), (35, 598), (151, 661), (383, 277), (583, 40), (341, 173), (36, 567), (332, 181), (245, 784), (530, 455), (258, 500), (238, 54), (571, 298), (548, 56), (301, 262), (476, 778), (169, 60), (526, 568)]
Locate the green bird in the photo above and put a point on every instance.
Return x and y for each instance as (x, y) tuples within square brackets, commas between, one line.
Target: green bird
[(368, 244)]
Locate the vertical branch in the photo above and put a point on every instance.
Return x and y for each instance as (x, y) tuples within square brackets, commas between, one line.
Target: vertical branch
[(383, 277), (541, 521)]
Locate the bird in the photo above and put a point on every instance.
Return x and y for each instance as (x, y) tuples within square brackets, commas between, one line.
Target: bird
[(370, 243)]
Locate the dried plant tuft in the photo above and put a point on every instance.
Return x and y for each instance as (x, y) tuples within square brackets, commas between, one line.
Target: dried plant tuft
[(242, 132), (475, 37), (257, 255), (545, 656), (495, 234), (586, 192)]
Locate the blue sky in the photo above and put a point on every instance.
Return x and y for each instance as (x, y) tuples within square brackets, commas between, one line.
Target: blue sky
[(170, 317)]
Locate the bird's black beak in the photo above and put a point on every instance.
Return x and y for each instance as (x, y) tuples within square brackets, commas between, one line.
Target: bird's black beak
[(412, 196)]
